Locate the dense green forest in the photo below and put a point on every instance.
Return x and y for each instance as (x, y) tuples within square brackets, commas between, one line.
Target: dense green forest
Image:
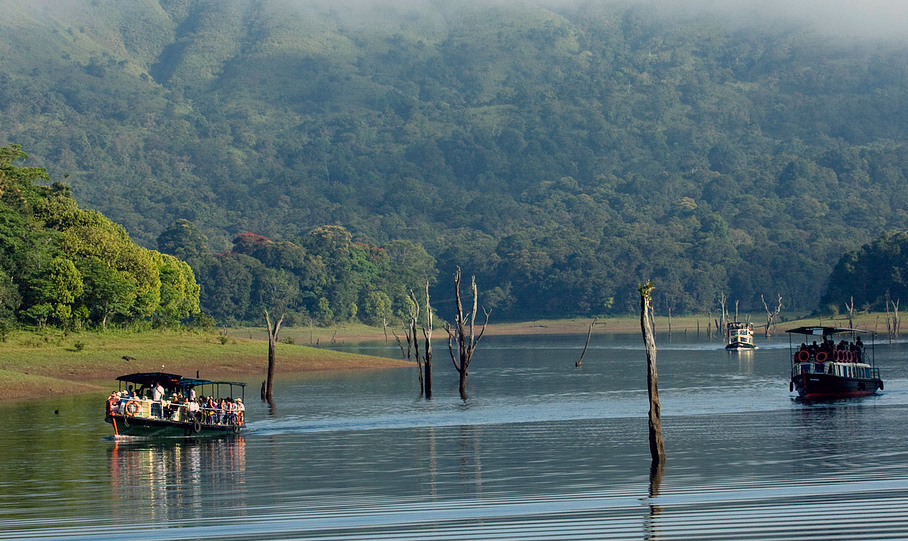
[(561, 154), (69, 267), (873, 277)]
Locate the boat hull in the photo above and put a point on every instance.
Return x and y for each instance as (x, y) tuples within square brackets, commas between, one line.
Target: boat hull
[(738, 346), (829, 386), (125, 425)]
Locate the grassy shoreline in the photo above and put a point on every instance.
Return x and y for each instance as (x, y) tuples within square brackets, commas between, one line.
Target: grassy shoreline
[(53, 363)]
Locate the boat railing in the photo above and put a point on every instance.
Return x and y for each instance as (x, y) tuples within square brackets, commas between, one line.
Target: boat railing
[(859, 370), (218, 416), (176, 411)]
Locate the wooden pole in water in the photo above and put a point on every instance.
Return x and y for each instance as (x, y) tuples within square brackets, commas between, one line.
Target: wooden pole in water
[(656, 443)]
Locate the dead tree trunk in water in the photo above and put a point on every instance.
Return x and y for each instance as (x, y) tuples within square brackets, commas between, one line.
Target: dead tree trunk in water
[(588, 335), (427, 333), (466, 343), (267, 392), (656, 443), (771, 315), (851, 312), (413, 340), (722, 324), (896, 318)]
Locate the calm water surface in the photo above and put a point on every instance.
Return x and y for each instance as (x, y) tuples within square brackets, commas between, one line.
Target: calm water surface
[(541, 450)]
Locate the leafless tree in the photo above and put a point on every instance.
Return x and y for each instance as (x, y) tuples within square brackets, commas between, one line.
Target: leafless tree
[(656, 443), (893, 321), (463, 334), (771, 315), (851, 311), (278, 288), (722, 324), (427, 334), (273, 330), (413, 340)]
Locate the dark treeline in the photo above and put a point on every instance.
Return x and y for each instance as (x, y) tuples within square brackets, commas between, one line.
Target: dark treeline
[(561, 156), (874, 277)]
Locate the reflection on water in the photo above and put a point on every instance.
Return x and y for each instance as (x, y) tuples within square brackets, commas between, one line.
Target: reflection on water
[(177, 479), (651, 524), (542, 450)]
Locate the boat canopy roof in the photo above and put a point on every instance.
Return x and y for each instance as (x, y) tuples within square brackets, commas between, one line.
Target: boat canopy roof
[(819, 330), (171, 381)]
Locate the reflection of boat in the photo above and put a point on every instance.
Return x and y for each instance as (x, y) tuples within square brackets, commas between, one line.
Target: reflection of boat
[(830, 370), (159, 404), (176, 478), (740, 336)]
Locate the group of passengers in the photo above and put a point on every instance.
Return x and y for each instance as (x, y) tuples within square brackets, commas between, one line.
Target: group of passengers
[(829, 350), (205, 409)]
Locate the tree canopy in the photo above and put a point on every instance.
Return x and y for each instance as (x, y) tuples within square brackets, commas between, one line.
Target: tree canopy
[(63, 265), (870, 276)]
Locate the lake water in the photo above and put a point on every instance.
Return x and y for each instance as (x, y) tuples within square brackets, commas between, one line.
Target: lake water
[(541, 450)]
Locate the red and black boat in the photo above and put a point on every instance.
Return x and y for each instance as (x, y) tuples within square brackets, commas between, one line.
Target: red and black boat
[(825, 369)]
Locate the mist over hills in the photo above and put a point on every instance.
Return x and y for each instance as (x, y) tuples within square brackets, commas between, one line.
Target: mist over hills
[(561, 151)]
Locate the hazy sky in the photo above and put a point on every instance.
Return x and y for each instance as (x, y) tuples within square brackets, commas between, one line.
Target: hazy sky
[(858, 18), (862, 18), (868, 18)]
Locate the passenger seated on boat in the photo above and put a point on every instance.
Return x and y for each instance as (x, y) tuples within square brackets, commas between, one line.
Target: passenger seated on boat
[(221, 411), (233, 415), (170, 407), (113, 403), (206, 407), (813, 348), (192, 406)]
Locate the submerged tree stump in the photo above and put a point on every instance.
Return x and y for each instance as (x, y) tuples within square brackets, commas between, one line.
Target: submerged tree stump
[(656, 443), (587, 345), (273, 330)]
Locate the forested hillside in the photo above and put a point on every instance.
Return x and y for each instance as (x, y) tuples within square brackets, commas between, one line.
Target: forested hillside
[(562, 154)]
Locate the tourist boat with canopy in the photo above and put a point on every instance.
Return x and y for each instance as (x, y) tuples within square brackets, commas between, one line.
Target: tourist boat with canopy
[(740, 336), (829, 369), (152, 404)]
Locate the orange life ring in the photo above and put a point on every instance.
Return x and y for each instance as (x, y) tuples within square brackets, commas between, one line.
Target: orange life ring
[(132, 408), (803, 356), (849, 356), (822, 356)]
